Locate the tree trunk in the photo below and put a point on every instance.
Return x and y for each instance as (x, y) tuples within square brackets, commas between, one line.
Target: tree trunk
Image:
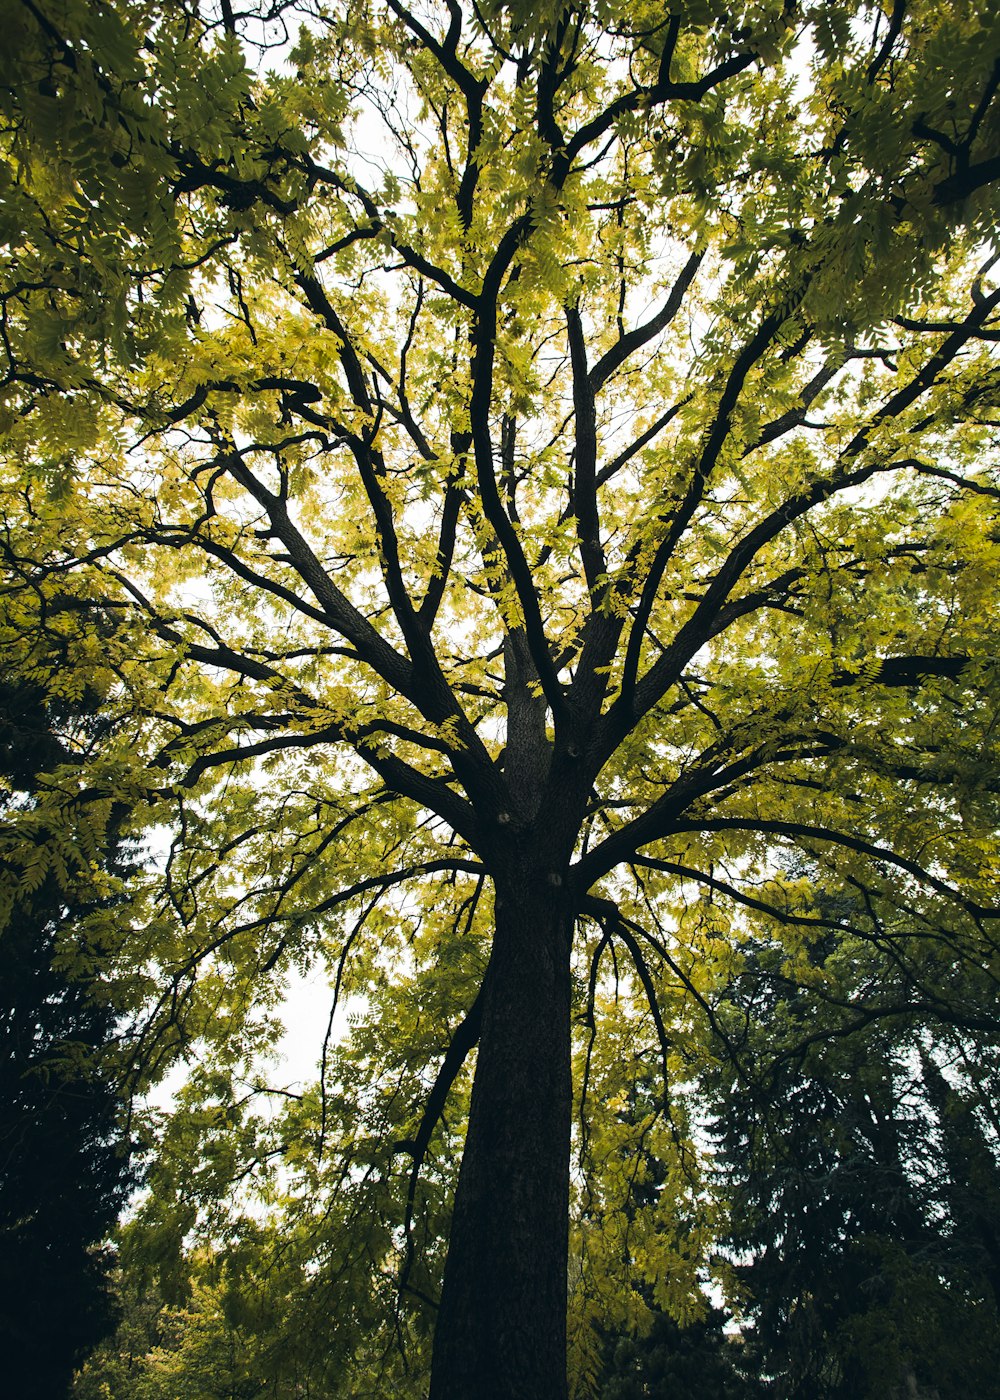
[(501, 1329)]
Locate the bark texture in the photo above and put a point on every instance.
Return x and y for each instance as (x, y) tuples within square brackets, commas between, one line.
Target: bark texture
[(501, 1330)]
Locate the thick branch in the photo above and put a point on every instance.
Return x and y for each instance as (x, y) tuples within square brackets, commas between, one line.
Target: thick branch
[(584, 500), (484, 349), (642, 335), (681, 518)]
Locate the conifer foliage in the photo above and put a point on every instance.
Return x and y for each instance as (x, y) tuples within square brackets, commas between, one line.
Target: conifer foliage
[(64, 1166)]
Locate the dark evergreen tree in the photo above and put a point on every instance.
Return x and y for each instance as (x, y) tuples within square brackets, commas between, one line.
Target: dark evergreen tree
[(697, 1362), (64, 1163), (970, 1188), (864, 1189)]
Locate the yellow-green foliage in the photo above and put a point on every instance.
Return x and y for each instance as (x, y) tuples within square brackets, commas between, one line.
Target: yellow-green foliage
[(493, 428)]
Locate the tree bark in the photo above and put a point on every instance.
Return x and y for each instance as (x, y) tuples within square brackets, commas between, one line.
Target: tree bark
[(501, 1329)]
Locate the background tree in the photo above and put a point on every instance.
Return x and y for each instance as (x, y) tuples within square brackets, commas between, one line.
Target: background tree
[(552, 459), (64, 1159), (219, 1337), (866, 1263), (692, 1363)]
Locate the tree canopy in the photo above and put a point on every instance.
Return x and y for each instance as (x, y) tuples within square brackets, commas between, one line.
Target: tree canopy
[(539, 462)]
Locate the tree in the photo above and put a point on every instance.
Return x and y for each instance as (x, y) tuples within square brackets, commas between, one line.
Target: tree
[(856, 1277), (865, 1262), (209, 1343), (551, 456), (686, 1363), (64, 1164)]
